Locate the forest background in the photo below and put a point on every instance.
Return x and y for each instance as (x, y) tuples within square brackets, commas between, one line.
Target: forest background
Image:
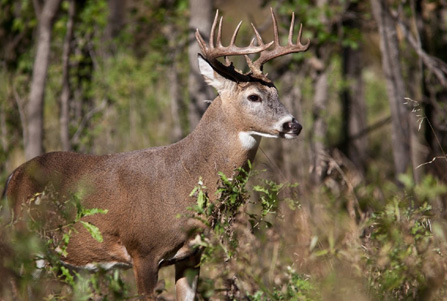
[(371, 93)]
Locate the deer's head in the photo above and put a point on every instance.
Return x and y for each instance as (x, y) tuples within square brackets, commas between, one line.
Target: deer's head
[(250, 98)]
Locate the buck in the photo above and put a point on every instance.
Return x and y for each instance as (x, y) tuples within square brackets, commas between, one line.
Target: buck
[(147, 192)]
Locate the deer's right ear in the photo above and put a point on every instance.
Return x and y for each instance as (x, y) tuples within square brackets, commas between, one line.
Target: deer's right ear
[(211, 76)]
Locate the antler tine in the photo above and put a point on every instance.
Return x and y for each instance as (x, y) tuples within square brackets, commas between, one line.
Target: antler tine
[(201, 41), (233, 38), (278, 50), (275, 27), (213, 27), (252, 42), (299, 39), (258, 36), (227, 61), (219, 33), (215, 49), (212, 51), (292, 24)]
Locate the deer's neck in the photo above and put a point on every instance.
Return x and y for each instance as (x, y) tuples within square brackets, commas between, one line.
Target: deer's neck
[(217, 145)]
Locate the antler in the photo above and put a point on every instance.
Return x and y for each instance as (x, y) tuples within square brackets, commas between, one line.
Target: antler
[(211, 52), (278, 50)]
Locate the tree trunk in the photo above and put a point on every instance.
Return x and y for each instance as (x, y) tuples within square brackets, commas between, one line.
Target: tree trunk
[(34, 143), (354, 109), (200, 17), (389, 47), (66, 89), (174, 84), (321, 86), (115, 23), (174, 92), (320, 127)]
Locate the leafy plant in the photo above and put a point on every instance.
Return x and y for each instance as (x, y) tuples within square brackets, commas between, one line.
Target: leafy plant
[(403, 254), (37, 239), (232, 218), (297, 287)]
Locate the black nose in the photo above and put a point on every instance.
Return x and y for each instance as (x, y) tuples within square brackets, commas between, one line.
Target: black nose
[(293, 127)]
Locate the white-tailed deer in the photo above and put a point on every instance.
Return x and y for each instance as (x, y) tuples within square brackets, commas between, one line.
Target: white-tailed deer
[(147, 192)]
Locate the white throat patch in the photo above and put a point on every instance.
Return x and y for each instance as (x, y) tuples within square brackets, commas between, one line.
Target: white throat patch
[(250, 140)]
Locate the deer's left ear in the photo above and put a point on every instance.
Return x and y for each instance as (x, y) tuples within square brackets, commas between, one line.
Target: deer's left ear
[(213, 78)]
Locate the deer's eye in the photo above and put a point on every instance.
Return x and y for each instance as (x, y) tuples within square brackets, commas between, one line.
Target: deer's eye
[(254, 98)]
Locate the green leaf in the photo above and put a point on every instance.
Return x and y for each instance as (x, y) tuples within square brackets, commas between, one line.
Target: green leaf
[(201, 200), (88, 212), (68, 277), (224, 178), (193, 191), (93, 230)]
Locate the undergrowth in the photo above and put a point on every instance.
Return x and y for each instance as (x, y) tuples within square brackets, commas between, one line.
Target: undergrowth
[(261, 244), (262, 241), (33, 243)]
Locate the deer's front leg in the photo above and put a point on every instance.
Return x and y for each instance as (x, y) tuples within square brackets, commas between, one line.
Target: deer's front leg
[(146, 276), (186, 277)]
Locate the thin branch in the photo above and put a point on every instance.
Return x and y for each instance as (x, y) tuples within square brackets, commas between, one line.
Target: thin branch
[(353, 202), (437, 139), (366, 131), (66, 88), (435, 65), (21, 106), (275, 166), (86, 119), (431, 161), (4, 129)]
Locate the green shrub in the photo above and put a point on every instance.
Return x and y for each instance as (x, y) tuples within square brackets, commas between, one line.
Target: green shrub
[(33, 244)]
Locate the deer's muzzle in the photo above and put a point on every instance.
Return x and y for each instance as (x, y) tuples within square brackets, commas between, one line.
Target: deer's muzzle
[(291, 129)]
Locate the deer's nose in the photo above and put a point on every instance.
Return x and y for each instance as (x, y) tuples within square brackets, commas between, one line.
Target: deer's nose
[(292, 127)]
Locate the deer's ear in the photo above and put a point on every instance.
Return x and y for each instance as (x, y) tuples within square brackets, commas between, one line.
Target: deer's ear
[(213, 78)]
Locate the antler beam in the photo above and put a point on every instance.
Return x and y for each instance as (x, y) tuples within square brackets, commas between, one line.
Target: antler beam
[(215, 49), (278, 50), (212, 52)]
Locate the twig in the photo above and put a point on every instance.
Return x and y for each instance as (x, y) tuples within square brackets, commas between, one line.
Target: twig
[(365, 131), (275, 166), (66, 87), (421, 118), (4, 129), (436, 66), (87, 118), (20, 105), (353, 202), (431, 161)]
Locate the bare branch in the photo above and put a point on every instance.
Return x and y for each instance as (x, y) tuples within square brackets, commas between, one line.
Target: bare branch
[(21, 107), (435, 65), (86, 119)]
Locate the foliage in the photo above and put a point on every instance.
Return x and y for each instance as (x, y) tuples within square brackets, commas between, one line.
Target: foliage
[(298, 287), (232, 217), (401, 236), (404, 254), (36, 240), (395, 253)]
